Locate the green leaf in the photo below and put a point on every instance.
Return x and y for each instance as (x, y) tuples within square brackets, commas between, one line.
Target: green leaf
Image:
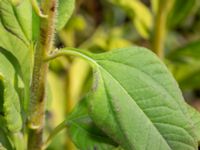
[(15, 31), (136, 101), (4, 141), (11, 89), (180, 64), (84, 132), (14, 20), (175, 17), (65, 10), (195, 117), (186, 53), (11, 106)]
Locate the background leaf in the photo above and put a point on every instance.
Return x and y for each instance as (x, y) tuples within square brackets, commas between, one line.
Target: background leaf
[(65, 10), (180, 63), (180, 11), (139, 13), (84, 132)]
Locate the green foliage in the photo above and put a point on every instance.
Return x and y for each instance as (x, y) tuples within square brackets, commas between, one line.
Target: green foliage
[(80, 123), (139, 14), (182, 59), (15, 28), (175, 17), (113, 100), (134, 102), (4, 139), (11, 107), (65, 10), (195, 117)]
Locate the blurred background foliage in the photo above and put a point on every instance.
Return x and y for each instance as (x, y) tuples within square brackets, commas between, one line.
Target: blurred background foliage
[(170, 28)]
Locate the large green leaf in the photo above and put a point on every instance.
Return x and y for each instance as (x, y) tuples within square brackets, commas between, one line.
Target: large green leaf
[(180, 64), (195, 117), (84, 132), (65, 10), (136, 101)]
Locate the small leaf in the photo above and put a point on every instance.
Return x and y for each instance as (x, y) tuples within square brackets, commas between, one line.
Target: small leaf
[(65, 10), (84, 132)]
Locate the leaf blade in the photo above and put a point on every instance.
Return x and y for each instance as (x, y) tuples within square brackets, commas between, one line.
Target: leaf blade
[(116, 73), (65, 10), (11, 107), (91, 137)]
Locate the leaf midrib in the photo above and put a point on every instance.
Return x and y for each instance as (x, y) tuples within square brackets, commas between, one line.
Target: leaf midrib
[(136, 104)]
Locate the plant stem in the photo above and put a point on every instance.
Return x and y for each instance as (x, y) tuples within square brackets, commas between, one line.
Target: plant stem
[(68, 51), (160, 28), (57, 130), (37, 96)]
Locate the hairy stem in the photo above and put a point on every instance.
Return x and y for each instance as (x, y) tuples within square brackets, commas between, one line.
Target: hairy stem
[(68, 51), (160, 27), (37, 97)]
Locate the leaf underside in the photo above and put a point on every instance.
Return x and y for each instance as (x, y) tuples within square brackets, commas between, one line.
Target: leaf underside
[(84, 132), (136, 101)]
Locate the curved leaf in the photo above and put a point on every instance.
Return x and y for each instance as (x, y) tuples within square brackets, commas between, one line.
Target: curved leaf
[(84, 132), (11, 83), (15, 38), (136, 101), (14, 20), (65, 10)]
